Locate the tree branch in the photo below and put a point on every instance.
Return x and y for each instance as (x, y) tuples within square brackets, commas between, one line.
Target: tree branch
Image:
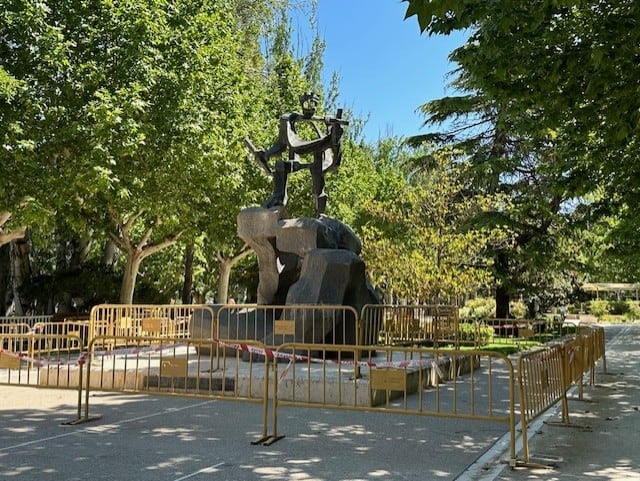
[(171, 239), (244, 252), (12, 235), (4, 218)]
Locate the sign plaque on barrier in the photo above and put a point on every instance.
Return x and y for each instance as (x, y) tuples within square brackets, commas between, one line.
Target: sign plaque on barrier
[(9, 362), (174, 367), (388, 379), (526, 333), (284, 328), (152, 325)]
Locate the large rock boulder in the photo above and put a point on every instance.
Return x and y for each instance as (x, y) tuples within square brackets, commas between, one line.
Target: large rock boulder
[(335, 277), (311, 261)]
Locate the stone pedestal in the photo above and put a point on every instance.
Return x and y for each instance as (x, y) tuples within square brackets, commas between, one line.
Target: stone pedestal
[(306, 260)]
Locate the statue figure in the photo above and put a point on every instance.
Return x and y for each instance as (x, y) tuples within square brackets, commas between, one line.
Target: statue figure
[(326, 150)]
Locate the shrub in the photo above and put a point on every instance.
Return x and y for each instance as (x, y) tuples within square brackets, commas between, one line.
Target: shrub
[(610, 318), (475, 331), (518, 309), (599, 308), (633, 310), (478, 308), (618, 307)]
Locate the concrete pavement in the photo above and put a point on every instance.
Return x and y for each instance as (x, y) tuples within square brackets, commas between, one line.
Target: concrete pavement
[(605, 443), (174, 438)]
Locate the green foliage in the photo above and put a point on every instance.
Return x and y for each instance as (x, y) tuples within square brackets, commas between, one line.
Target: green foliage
[(417, 237), (140, 107), (478, 308), (509, 347), (475, 332), (81, 288), (614, 311), (618, 308), (599, 307), (558, 82), (633, 311), (518, 309)]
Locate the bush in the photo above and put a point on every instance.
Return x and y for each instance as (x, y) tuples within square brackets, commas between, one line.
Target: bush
[(478, 308), (475, 331), (633, 311), (599, 308), (518, 309), (618, 308)]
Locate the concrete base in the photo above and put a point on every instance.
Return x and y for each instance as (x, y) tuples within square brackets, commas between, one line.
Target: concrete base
[(314, 383)]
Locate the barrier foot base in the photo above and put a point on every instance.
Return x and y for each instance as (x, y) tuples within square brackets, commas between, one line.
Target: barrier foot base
[(267, 440), (581, 399), (81, 421), (562, 424), (546, 462)]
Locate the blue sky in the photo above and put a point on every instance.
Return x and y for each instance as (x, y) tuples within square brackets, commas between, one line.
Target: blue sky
[(387, 68)]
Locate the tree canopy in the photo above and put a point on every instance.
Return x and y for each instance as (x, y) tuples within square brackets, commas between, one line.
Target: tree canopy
[(126, 118), (549, 88)]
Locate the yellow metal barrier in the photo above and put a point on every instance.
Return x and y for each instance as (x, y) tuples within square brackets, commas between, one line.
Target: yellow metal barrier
[(57, 332), (546, 375), (178, 366), (595, 345), (412, 324), (42, 360), (12, 336), (115, 321), (28, 320), (541, 381), (275, 325), (463, 384)]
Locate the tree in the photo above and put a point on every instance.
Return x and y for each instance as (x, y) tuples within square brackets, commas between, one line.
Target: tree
[(564, 73), (135, 105), (412, 216)]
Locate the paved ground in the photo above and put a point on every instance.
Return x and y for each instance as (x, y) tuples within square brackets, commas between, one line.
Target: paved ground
[(605, 444), (171, 438)]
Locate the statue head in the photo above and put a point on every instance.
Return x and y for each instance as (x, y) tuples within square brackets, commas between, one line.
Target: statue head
[(309, 103)]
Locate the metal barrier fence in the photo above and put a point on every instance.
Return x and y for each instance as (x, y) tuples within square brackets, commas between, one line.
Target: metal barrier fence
[(63, 328), (392, 325), (275, 325), (594, 345), (469, 384), (11, 335), (28, 320), (111, 322), (517, 328), (177, 366), (546, 375), (40, 360)]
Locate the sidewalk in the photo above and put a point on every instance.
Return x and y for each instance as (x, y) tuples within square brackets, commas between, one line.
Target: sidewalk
[(605, 442)]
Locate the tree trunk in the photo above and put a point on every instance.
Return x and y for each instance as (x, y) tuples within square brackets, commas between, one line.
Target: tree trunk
[(502, 302), (226, 264), (5, 275), (502, 291), (20, 270), (9, 236), (187, 286), (131, 269), (223, 281), (109, 253), (80, 251)]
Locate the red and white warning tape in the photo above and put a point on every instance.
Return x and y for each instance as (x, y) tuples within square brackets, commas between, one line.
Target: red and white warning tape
[(45, 362), (256, 350)]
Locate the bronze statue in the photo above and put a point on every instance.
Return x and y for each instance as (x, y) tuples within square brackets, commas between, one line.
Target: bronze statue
[(326, 150)]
